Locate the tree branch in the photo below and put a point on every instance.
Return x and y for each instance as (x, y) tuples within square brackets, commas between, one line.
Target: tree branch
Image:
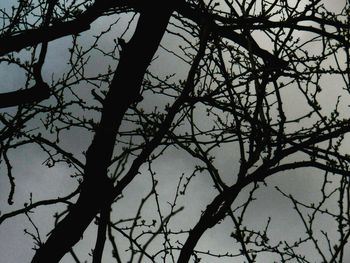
[(97, 188), (101, 235), (37, 93)]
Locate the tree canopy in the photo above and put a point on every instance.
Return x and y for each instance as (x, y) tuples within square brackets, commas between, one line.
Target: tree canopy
[(176, 131)]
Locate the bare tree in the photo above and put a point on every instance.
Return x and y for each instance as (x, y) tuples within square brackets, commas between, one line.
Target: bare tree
[(241, 90)]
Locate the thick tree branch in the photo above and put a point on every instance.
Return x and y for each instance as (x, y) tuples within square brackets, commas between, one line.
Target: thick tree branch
[(97, 189), (166, 124), (32, 37), (218, 208), (214, 212), (37, 93), (101, 235)]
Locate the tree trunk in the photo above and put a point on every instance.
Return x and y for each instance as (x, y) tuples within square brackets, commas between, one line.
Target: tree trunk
[(97, 189)]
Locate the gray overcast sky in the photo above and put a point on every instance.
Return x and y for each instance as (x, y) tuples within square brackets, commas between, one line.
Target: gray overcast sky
[(32, 176)]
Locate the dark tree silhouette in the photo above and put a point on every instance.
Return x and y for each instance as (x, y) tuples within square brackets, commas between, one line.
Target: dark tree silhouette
[(264, 82)]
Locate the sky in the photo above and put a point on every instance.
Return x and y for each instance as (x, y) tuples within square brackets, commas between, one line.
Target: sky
[(34, 177)]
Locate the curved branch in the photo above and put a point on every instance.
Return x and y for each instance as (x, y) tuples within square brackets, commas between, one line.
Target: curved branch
[(214, 212), (37, 204)]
